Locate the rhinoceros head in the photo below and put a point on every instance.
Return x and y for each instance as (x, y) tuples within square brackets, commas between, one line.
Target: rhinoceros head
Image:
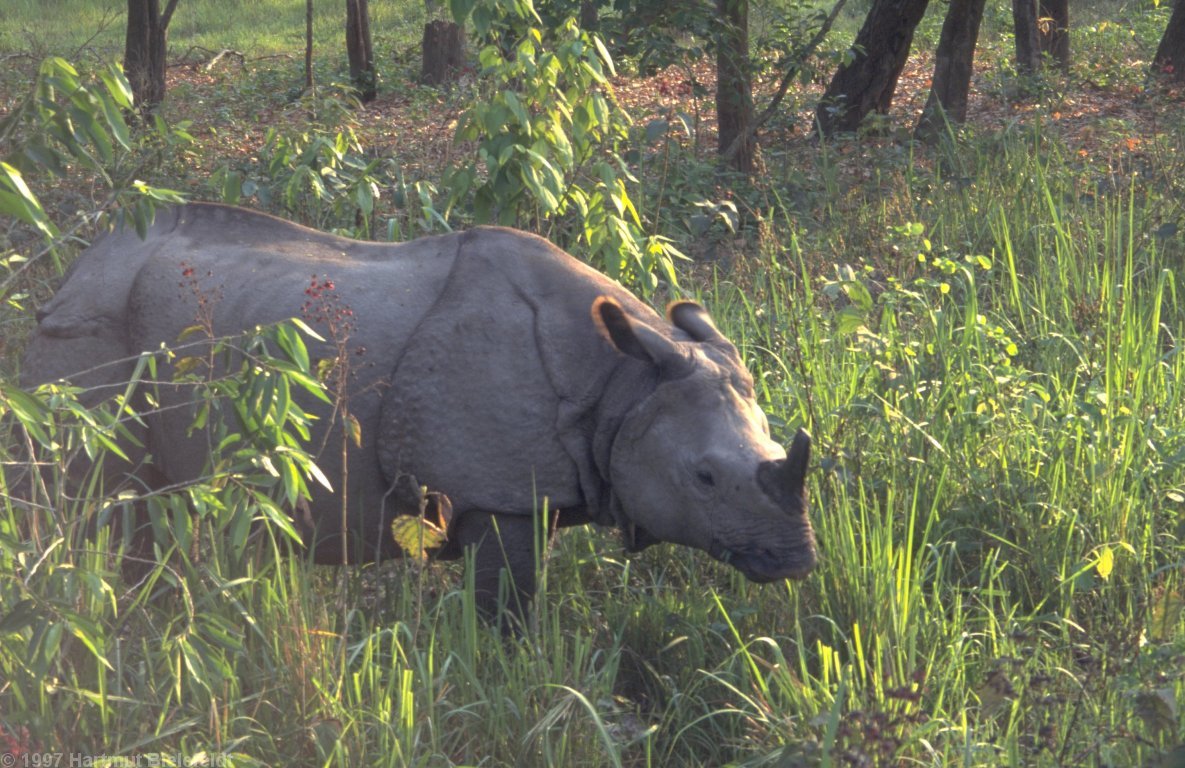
[(693, 463)]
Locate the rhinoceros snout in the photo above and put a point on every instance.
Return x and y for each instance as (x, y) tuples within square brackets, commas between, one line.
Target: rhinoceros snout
[(763, 565), (789, 551)]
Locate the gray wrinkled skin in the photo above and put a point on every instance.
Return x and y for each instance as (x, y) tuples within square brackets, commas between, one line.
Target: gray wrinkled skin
[(491, 367)]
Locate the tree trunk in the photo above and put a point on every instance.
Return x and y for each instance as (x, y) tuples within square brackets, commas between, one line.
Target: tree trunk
[(145, 51), (867, 83), (443, 49), (308, 45), (952, 68), (1028, 44), (734, 85), (1053, 31), (1169, 61), (588, 15), (359, 50)]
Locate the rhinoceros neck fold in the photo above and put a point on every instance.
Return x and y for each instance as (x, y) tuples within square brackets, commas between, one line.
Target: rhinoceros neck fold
[(619, 391)]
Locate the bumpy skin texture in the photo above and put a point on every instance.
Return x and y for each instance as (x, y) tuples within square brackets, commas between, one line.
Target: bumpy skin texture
[(497, 370)]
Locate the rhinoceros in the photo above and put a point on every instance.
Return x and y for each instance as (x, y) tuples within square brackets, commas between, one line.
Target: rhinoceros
[(493, 368)]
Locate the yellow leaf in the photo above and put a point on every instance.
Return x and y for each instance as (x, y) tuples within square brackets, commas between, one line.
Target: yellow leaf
[(191, 331), (416, 536), (186, 365), (354, 428), (1106, 563)]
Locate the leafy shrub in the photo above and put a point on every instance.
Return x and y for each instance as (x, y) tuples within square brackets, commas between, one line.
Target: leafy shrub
[(70, 617), (550, 139), (66, 124), (319, 174)]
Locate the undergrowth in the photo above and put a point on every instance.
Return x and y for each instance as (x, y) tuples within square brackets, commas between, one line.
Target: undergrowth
[(983, 338)]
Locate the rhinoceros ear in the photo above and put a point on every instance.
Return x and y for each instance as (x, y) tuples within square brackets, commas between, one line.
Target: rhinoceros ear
[(695, 321), (636, 339)]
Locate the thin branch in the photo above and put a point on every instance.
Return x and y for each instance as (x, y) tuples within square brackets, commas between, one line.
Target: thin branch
[(167, 16), (109, 17), (799, 56)]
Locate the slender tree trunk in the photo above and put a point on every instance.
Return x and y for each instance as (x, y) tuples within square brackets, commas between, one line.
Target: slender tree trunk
[(308, 45), (1169, 61), (867, 83), (146, 50), (953, 66), (797, 59), (1028, 43), (1053, 31), (734, 85), (360, 50)]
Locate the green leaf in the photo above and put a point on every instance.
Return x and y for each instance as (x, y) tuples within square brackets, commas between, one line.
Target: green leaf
[(83, 115), (293, 346), (461, 9), (605, 57), (849, 320), (510, 98), (115, 121), (859, 295), (31, 412), (40, 156), (291, 480), (106, 442), (118, 86), (18, 617), (276, 516), (18, 201)]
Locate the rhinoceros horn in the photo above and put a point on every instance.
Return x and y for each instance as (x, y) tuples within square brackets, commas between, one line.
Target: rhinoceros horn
[(782, 480)]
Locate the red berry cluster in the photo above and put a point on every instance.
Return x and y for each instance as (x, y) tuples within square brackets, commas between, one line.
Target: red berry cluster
[(323, 305), (194, 283)]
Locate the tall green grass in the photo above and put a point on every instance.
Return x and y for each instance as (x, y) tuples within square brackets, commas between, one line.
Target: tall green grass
[(997, 413), (999, 419)]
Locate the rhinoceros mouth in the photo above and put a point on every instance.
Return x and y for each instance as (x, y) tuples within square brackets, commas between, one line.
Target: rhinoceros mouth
[(763, 566)]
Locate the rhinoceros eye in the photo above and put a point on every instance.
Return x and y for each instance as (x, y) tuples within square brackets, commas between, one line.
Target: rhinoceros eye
[(705, 478)]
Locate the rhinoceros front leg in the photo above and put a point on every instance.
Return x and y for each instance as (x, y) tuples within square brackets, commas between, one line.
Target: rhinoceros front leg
[(504, 564)]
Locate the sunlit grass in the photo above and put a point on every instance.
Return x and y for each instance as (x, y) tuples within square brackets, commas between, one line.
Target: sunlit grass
[(260, 28)]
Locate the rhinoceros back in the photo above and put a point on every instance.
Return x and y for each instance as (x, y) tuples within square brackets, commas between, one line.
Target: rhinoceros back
[(82, 331), (125, 295), (491, 397)]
